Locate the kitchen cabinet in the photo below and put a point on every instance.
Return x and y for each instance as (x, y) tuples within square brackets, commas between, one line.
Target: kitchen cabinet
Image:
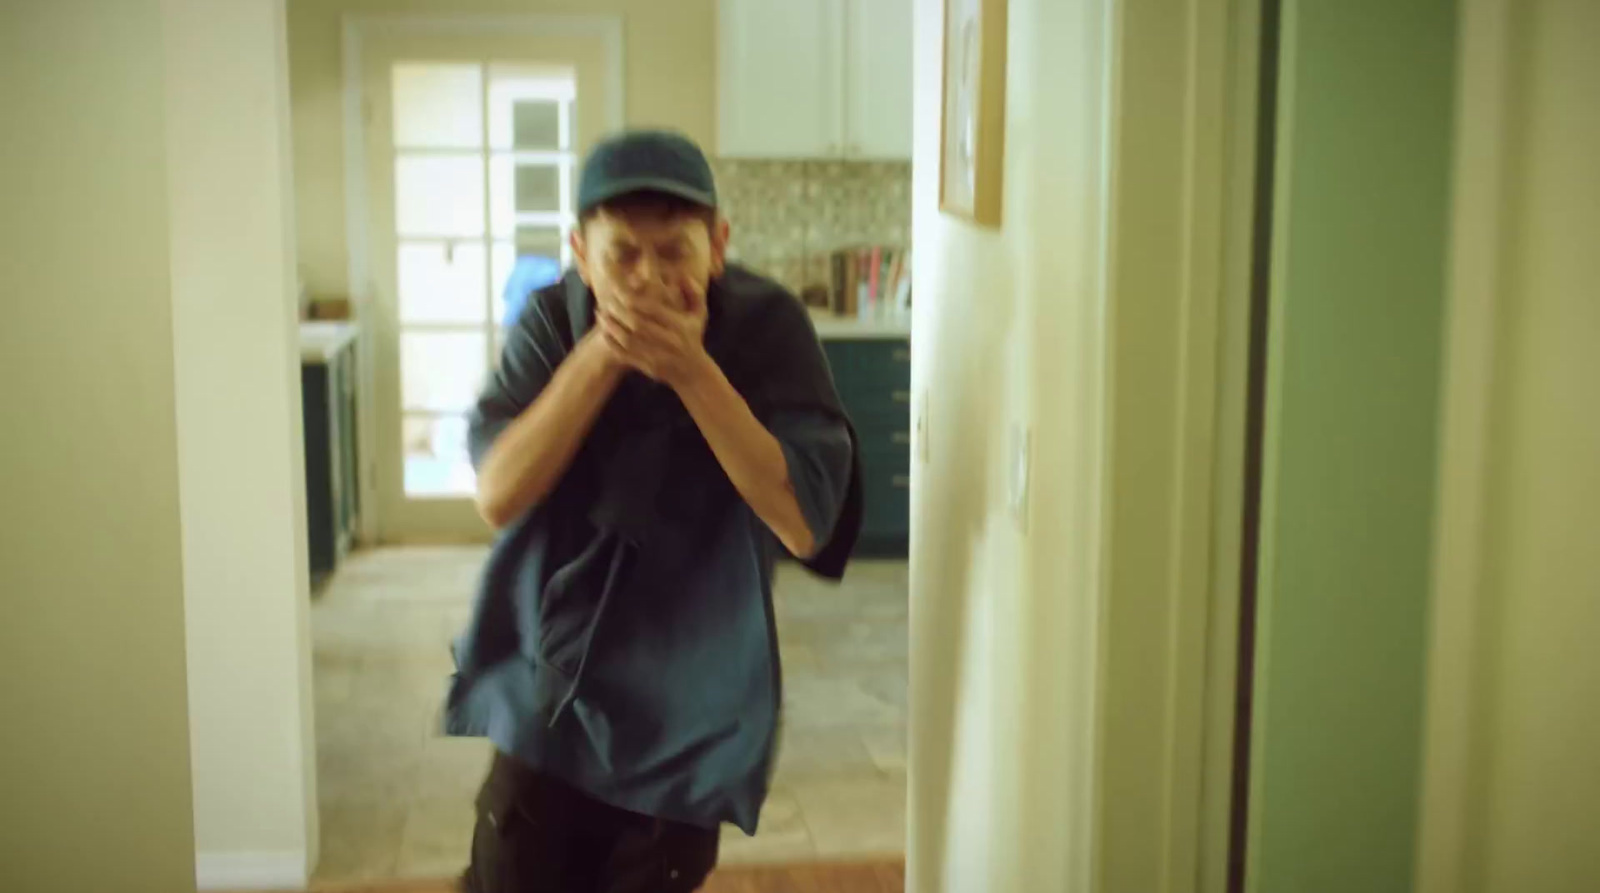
[(329, 407), (877, 78), (778, 78), (823, 79), (873, 376)]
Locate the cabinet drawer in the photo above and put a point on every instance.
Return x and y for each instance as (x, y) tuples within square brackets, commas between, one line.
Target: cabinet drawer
[(884, 454), (886, 489), (885, 362), (874, 381), (879, 413), (870, 361), (886, 503)]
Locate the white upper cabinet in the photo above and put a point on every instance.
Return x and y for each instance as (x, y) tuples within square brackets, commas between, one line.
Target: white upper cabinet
[(778, 78), (814, 79), (877, 92)]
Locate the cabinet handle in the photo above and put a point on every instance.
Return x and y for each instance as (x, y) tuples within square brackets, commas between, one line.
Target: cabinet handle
[(902, 355), (901, 437), (901, 396), (901, 481)]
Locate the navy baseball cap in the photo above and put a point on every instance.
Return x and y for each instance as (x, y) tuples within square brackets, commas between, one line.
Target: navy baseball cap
[(646, 161)]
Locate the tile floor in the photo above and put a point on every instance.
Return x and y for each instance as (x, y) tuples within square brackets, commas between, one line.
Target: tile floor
[(396, 799), (854, 876)]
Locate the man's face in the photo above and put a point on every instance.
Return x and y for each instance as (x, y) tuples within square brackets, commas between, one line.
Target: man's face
[(638, 254)]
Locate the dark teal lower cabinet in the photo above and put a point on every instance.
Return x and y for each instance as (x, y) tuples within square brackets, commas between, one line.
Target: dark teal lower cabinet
[(328, 401), (874, 380)]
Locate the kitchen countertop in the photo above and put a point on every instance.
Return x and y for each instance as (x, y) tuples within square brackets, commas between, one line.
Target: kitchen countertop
[(321, 341), (831, 327)]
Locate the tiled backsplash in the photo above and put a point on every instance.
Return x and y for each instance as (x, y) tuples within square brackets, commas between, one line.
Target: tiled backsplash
[(787, 216)]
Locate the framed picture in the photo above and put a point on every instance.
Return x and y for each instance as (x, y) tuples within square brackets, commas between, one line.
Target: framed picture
[(971, 158)]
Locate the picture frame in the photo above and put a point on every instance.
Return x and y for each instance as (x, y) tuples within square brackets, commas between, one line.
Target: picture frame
[(972, 117)]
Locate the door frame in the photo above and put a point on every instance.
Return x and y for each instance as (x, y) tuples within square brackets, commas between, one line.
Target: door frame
[(1183, 152), (1452, 758), (355, 29)]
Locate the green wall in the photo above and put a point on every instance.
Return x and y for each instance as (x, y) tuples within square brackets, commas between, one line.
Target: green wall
[(1360, 225)]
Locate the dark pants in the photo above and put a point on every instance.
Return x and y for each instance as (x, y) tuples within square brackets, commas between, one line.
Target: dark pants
[(538, 835)]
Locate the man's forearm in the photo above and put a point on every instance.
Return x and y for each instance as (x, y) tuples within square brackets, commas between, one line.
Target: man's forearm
[(529, 457), (749, 454)]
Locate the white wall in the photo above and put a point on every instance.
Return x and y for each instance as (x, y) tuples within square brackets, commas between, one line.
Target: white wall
[(1514, 777), (1059, 656), (94, 775), (239, 441), (1008, 329), (153, 473)]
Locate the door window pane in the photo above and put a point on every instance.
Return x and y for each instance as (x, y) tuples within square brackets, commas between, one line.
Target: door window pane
[(438, 106), (539, 87), (436, 459), (512, 193), (536, 124), (538, 187), (468, 252), (438, 196), (541, 241), (442, 371), (442, 282)]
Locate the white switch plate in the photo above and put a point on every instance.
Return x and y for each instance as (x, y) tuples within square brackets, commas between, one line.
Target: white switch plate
[(1017, 487)]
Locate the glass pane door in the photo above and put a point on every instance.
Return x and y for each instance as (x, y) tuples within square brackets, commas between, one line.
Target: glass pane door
[(471, 150), (483, 180), (532, 174)]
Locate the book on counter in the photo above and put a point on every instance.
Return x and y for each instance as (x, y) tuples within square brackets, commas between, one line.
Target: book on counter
[(870, 281)]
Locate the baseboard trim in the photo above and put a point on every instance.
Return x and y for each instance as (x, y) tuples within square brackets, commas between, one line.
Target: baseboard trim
[(284, 870)]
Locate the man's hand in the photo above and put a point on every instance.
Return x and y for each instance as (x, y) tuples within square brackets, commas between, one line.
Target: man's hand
[(661, 335)]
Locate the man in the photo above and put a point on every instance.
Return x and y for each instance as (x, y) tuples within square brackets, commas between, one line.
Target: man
[(661, 425)]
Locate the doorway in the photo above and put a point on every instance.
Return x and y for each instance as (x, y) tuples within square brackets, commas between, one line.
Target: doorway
[(1340, 456), (471, 132), (471, 145)]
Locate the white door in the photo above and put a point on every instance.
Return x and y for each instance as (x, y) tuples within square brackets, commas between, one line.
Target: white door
[(472, 146), (877, 81), (778, 78)]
